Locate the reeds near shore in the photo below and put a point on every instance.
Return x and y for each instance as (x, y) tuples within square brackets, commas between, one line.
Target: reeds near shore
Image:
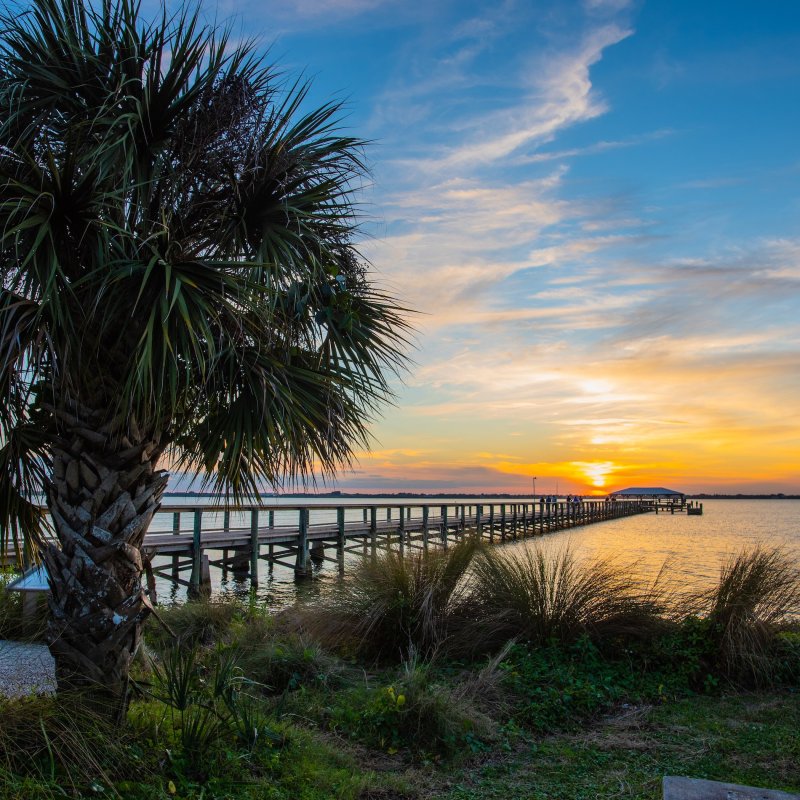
[(757, 595), (543, 597), (470, 599), (393, 604)]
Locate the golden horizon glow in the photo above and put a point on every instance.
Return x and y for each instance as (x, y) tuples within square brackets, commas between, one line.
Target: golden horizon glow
[(638, 430)]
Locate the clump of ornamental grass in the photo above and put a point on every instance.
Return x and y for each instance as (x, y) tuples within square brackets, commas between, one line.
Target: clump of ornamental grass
[(543, 596), (395, 603), (44, 739), (757, 596)]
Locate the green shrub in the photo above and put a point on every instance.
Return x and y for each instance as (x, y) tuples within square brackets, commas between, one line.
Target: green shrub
[(208, 708), (279, 660), (684, 656), (560, 686), (556, 688), (422, 712)]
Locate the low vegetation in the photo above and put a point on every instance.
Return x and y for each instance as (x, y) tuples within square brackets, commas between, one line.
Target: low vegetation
[(542, 597), (463, 674), (394, 605), (757, 593)]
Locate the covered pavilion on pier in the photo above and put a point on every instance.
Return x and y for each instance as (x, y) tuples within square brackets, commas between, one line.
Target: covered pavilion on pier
[(658, 499)]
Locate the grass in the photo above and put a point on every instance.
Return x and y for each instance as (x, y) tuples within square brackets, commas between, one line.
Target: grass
[(757, 595), (394, 605), (748, 738), (540, 596), (585, 685), (43, 742)]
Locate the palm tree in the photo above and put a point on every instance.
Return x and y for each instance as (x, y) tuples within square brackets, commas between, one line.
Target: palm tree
[(180, 286)]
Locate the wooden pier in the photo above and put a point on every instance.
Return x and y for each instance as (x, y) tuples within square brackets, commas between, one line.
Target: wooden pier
[(689, 507), (241, 538)]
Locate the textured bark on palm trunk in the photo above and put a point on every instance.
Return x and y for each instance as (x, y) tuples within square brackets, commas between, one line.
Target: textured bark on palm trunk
[(104, 493)]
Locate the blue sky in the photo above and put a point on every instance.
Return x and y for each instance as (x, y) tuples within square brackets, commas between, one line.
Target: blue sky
[(595, 206)]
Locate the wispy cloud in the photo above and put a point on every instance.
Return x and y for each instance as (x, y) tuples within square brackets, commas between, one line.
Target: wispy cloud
[(607, 6), (559, 96), (711, 183), (323, 9), (596, 148), (453, 232)]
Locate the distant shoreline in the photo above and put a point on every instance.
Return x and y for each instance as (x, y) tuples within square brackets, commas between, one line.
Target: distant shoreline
[(462, 496)]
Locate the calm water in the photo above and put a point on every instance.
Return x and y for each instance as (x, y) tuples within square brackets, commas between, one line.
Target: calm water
[(694, 547)]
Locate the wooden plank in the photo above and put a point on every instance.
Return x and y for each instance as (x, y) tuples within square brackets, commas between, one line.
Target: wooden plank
[(679, 788)]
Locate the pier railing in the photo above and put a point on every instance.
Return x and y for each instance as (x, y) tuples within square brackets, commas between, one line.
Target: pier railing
[(301, 536)]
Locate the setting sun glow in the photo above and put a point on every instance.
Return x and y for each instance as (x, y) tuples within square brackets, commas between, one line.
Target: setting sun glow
[(596, 474)]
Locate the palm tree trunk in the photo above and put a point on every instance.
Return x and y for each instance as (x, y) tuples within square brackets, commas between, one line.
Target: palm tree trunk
[(104, 493)]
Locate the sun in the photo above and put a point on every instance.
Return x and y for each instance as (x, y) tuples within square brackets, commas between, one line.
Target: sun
[(597, 472)]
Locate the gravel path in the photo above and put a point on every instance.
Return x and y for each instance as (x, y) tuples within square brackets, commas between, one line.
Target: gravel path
[(26, 668)]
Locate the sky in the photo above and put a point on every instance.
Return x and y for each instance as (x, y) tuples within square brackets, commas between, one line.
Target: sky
[(594, 207)]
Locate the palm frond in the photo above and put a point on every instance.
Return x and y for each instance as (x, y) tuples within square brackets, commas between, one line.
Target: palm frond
[(181, 226), (24, 456), (24, 470)]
